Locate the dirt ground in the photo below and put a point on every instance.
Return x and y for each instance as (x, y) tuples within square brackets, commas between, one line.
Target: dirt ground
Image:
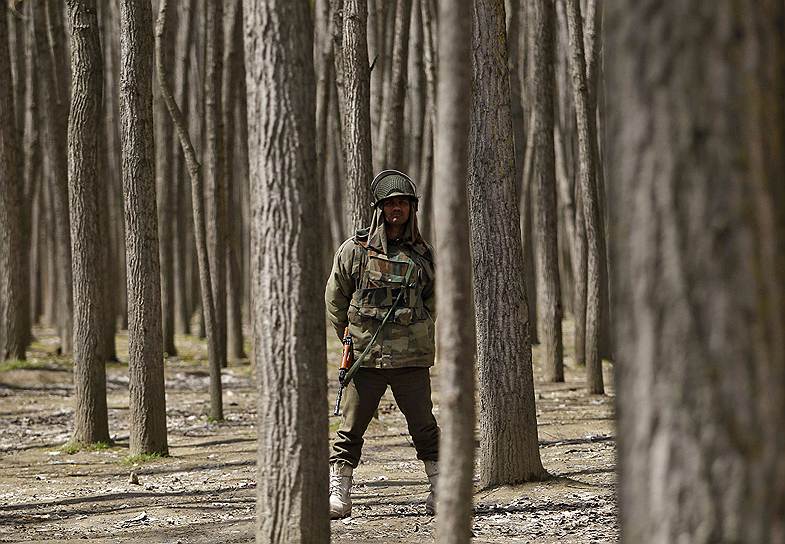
[(205, 491)]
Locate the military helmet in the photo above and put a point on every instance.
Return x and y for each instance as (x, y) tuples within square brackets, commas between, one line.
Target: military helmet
[(389, 183)]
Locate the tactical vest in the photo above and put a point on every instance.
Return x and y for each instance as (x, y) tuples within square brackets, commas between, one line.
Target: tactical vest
[(407, 338)]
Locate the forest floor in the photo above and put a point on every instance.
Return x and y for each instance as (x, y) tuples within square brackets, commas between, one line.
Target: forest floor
[(205, 490)]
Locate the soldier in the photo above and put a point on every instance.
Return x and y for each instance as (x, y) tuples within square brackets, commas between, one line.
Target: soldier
[(369, 270)]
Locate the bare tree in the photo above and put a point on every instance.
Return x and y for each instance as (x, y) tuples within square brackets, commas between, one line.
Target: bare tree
[(165, 197), (698, 226), (232, 87), (455, 334), (213, 156), (508, 427), (587, 145), (90, 414), (145, 351), (356, 111), (53, 116), (392, 136), (541, 46), (195, 173), (288, 316), (11, 192)]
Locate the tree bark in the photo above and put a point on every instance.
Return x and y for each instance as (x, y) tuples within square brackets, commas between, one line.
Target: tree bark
[(12, 345), (183, 41), (417, 92), (87, 237), (197, 190), (357, 113), (377, 31), (587, 142), (165, 197), (32, 181), (233, 85), (54, 119), (147, 408), (508, 426), (288, 316), (214, 181), (549, 307), (697, 228), (393, 136), (455, 334)]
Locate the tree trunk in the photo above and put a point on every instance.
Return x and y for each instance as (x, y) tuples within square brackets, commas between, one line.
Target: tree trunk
[(541, 38), (12, 345), (425, 180), (323, 63), (147, 408), (587, 143), (183, 41), (53, 118), (233, 85), (526, 199), (417, 92), (166, 194), (455, 334), (32, 181), (90, 415), (197, 191), (393, 136), (356, 121), (377, 31), (698, 226), (214, 181), (508, 426), (292, 466)]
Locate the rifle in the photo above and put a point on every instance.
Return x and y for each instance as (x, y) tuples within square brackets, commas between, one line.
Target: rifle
[(346, 362), (349, 365)]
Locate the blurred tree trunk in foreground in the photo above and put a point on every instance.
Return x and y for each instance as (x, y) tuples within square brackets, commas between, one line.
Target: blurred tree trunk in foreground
[(453, 278), (292, 426), (697, 156)]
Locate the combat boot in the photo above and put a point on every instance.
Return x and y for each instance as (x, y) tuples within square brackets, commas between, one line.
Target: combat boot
[(340, 486), (432, 471)]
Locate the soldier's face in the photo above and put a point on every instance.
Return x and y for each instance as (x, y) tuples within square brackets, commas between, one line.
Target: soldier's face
[(397, 210)]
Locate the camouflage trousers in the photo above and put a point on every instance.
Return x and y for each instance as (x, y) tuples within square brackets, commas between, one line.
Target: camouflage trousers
[(411, 387)]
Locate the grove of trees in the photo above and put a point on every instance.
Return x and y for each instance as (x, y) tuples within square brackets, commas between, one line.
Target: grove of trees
[(607, 172)]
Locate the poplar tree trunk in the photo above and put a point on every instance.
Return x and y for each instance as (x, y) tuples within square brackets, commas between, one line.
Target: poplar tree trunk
[(165, 196), (393, 136), (356, 112), (12, 345), (214, 181), (549, 307), (323, 65), (377, 31), (455, 333), (233, 85), (147, 408), (508, 425), (53, 118), (87, 236), (698, 225), (417, 92), (587, 144), (292, 478), (183, 245), (31, 173), (200, 235)]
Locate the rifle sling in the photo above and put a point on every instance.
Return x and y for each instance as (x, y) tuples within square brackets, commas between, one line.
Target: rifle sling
[(356, 365)]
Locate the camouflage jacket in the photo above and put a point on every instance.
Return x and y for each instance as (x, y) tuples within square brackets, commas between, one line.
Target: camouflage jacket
[(364, 283)]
